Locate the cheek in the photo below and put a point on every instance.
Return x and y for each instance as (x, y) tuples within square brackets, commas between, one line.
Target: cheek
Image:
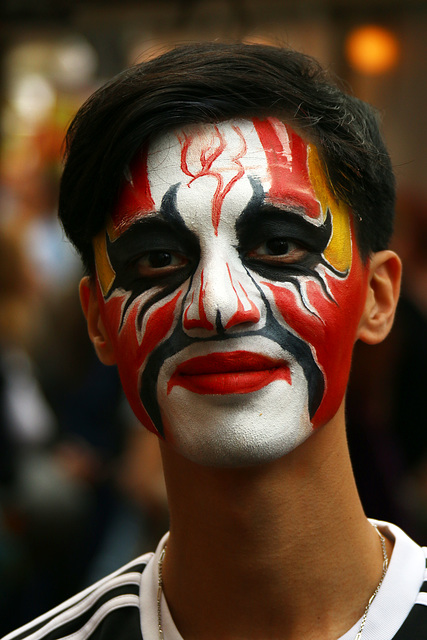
[(132, 347), (331, 333)]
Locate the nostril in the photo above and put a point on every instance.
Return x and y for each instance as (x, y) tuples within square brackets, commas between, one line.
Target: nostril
[(243, 316), (200, 322), (218, 323), (246, 312)]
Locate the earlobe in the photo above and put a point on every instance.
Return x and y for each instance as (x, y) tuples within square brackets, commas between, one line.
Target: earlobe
[(95, 325), (381, 298)]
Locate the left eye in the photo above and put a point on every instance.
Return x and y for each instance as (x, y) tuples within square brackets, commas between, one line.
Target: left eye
[(159, 263), (278, 251)]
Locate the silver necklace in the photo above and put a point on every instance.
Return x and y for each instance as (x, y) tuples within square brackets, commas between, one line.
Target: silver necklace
[(372, 598), (365, 614), (159, 592)]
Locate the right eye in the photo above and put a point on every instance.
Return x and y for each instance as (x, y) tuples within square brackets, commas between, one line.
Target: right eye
[(159, 263)]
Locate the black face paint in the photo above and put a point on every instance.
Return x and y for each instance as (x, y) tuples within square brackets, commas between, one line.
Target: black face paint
[(261, 221), (272, 330), (162, 231)]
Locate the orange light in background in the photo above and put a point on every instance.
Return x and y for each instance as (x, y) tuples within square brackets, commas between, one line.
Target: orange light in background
[(372, 49)]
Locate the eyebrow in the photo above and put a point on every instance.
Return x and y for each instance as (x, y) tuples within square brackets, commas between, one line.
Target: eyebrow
[(147, 234), (152, 230)]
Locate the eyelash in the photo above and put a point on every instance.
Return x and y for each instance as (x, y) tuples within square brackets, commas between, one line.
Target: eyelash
[(173, 262), (278, 251)]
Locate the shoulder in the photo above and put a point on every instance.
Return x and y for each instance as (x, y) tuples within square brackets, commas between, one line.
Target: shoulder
[(415, 625), (108, 609), (398, 612)]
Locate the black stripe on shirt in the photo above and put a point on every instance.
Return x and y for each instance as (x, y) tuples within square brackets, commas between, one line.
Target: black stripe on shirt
[(118, 624), (415, 625), (122, 624), (76, 614), (424, 586)]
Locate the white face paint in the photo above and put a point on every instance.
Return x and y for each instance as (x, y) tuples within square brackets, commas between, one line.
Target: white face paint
[(215, 288), (224, 425)]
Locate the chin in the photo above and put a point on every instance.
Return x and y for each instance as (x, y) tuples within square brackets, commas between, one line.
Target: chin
[(238, 430)]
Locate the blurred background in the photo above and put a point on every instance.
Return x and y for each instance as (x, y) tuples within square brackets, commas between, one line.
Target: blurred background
[(80, 483)]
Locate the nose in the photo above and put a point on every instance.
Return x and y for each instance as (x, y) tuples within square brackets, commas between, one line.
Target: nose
[(221, 298)]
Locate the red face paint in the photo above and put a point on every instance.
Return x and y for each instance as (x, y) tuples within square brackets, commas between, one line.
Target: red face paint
[(135, 199), (287, 160), (232, 290), (331, 331), (201, 321), (229, 373), (209, 153)]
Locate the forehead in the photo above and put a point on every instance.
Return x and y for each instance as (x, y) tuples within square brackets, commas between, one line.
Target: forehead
[(223, 164), (255, 147), (201, 149)]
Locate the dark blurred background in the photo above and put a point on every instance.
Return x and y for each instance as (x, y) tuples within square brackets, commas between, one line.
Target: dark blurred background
[(81, 490)]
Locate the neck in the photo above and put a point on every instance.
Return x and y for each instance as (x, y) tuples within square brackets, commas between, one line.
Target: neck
[(248, 547)]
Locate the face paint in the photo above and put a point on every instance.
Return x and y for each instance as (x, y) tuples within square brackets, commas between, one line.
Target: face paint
[(231, 287)]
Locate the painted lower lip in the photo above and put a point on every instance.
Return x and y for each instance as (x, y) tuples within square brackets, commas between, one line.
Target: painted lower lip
[(228, 373)]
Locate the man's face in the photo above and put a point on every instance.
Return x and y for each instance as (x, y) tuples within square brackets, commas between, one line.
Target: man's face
[(231, 287)]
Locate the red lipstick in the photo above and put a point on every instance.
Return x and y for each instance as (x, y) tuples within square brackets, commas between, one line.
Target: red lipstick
[(228, 373)]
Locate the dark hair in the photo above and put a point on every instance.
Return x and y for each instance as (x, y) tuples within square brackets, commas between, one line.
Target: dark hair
[(212, 82)]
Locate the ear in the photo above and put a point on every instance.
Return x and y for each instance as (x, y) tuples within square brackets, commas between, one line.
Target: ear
[(95, 325), (381, 299)]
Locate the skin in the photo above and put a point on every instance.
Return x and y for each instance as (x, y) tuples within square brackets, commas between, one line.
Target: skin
[(281, 514)]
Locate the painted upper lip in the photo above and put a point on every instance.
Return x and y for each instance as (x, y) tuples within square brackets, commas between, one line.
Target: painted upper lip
[(227, 362), (225, 373)]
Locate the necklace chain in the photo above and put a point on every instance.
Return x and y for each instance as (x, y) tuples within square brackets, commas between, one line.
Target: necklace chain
[(372, 598), (365, 613), (159, 593)]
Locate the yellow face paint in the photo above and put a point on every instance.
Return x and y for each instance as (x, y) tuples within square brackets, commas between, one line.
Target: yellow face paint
[(104, 269), (338, 252)]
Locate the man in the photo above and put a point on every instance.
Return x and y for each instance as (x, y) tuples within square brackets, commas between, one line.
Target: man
[(233, 208)]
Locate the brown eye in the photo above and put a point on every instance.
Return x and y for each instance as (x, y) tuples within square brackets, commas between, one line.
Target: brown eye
[(277, 251), (158, 259), (160, 263), (277, 246)]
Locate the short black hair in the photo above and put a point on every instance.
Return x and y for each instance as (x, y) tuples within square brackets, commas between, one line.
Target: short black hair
[(212, 82)]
